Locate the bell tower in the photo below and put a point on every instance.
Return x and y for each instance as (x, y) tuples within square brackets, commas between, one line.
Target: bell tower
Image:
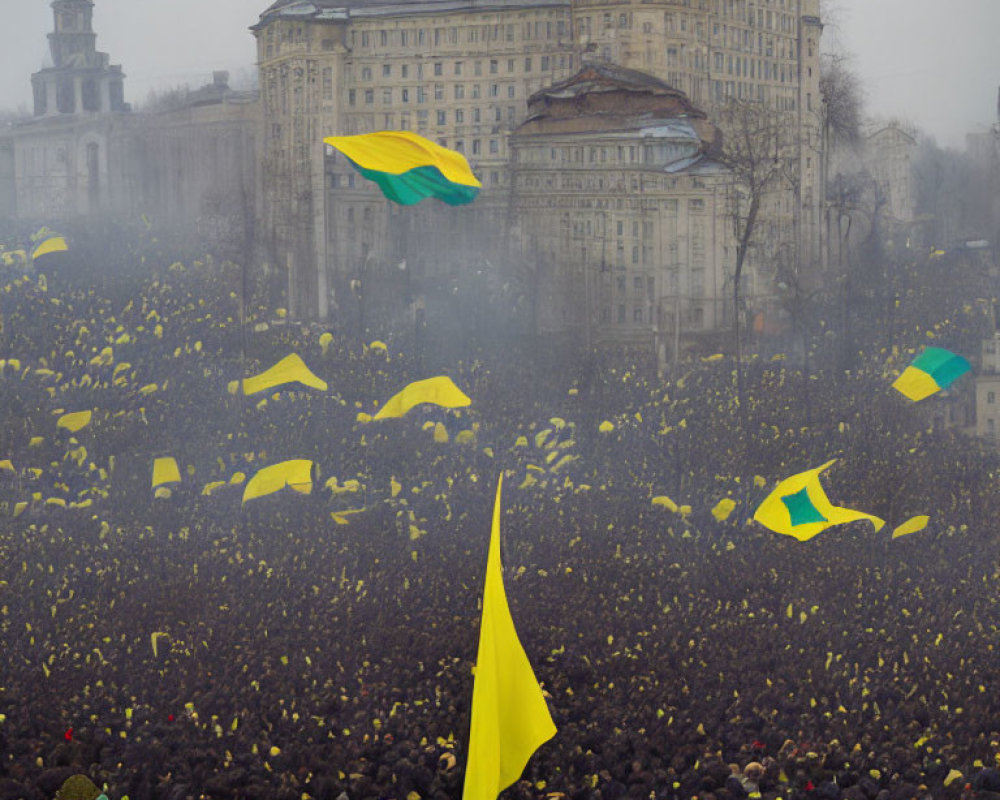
[(81, 79)]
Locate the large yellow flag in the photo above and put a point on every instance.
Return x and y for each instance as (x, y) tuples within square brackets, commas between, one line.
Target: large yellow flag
[(510, 719)]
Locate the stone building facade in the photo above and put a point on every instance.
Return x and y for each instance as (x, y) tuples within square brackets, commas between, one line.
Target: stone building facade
[(622, 211), (458, 73), (461, 73), (85, 154)]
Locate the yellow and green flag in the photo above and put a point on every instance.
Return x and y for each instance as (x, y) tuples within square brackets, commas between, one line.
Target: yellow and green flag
[(799, 507), (440, 391), (933, 370), (510, 719), (408, 167)]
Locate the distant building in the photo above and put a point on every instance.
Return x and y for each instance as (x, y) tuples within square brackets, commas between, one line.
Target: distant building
[(889, 155), (84, 154), (81, 78), (988, 391), (621, 212), (461, 72)]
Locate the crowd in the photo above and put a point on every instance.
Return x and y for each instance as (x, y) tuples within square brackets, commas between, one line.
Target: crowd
[(193, 646)]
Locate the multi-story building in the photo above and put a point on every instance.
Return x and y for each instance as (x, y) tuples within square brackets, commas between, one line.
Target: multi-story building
[(460, 73), (86, 154), (623, 215), (719, 51), (456, 72)]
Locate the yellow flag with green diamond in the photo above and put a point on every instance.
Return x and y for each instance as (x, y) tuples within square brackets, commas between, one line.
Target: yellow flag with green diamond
[(799, 507)]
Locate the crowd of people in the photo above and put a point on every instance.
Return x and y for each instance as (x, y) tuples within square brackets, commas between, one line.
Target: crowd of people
[(321, 646)]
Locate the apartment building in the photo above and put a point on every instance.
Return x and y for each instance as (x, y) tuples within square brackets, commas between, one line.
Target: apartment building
[(458, 73), (461, 72), (622, 212)]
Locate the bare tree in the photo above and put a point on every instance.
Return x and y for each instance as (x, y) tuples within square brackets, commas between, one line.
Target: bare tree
[(842, 106), (759, 151)]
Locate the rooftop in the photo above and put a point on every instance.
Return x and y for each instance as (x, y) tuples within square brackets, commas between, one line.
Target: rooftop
[(333, 10)]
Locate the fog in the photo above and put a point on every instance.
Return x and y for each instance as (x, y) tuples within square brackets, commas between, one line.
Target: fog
[(935, 64)]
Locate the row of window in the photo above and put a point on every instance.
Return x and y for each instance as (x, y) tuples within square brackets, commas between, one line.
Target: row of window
[(537, 30), (458, 69), (490, 115), (421, 94), (695, 317)]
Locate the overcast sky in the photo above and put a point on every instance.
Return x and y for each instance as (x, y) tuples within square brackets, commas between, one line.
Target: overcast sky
[(935, 63)]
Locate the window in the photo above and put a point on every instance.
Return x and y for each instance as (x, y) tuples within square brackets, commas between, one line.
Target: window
[(475, 115), (545, 63), (438, 69), (404, 71), (493, 66), (459, 91), (458, 67), (510, 90), (386, 96), (387, 70), (476, 146), (527, 64), (439, 91), (405, 95), (459, 116), (441, 118), (637, 314), (475, 91), (352, 97), (369, 96), (621, 314), (366, 73), (494, 146), (510, 65), (991, 397)]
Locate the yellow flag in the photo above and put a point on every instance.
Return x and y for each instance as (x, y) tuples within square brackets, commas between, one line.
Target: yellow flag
[(165, 471), (290, 370), (439, 390), (912, 525), (297, 474), (74, 422), (54, 244), (510, 719)]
